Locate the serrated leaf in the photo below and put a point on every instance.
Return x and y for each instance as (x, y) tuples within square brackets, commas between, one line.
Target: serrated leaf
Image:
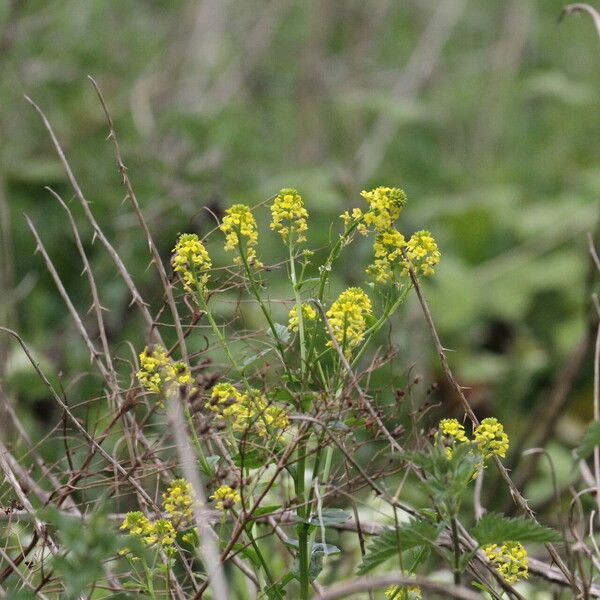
[(494, 528), (591, 439), (388, 544)]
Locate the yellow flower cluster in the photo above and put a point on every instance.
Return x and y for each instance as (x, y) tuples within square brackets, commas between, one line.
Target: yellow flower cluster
[(348, 319), (422, 253), (385, 206), (510, 560), (239, 222), (160, 531), (136, 522), (395, 592), (388, 253), (226, 497), (157, 370), (178, 501), (191, 261), (289, 215), (308, 314), (451, 431), (491, 438), (248, 411)]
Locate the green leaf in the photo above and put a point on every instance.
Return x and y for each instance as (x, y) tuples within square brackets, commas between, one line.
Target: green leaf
[(329, 516), (388, 544), (249, 553), (591, 439), (282, 395), (494, 528), (283, 333), (252, 458), (320, 548), (254, 357), (265, 510)]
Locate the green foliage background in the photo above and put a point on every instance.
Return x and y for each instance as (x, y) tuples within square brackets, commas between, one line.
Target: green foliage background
[(221, 101)]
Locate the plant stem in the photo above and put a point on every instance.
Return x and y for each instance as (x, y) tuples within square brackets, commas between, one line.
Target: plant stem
[(302, 527), (456, 546), (298, 310)]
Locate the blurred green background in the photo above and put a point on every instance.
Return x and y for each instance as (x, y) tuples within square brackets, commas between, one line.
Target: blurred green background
[(485, 112)]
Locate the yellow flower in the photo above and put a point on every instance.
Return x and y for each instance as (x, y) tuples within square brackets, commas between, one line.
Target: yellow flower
[(385, 206), (451, 431), (289, 215), (137, 523), (191, 537), (422, 254), (157, 370), (388, 253), (178, 500), (308, 314), (347, 317), (248, 411), (239, 223), (190, 259), (396, 592), (491, 438), (225, 497), (510, 560), (223, 398), (160, 532), (356, 216)]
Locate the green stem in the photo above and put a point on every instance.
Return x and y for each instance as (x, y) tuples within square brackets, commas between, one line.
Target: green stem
[(298, 310), (456, 546), (265, 311), (263, 562), (325, 269), (204, 306), (302, 527)]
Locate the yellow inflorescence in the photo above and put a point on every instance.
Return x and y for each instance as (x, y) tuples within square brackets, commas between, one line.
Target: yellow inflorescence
[(510, 560), (451, 428), (192, 262), (157, 370), (356, 216), (451, 431), (397, 592), (178, 503), (347, 317), (491, 438), (239, 222), (385, 206), (160, 532), (289, 215), (226, 497), (248, 411), (178, 500), (388, 253), (136, 522), (308, 314), (422, 253)]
